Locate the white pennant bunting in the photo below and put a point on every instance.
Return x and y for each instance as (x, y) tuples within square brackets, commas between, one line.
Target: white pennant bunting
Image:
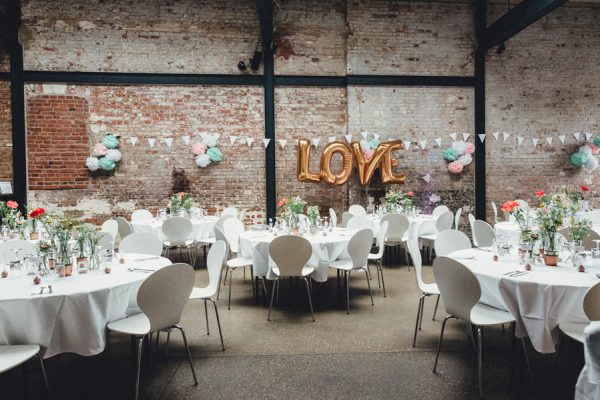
[(577, 135), (331, 139), (348, 138), (495, 135), (315, 142), (407, 144), (216, 136), (453, 136), (562, 138), (186, 139), (151, 142), (519, 140), (534, 141), (549, 140), (466, 136), (438, 141), (481, 137), (505, 135), (266, 142), (426, 178), (232, 139), (588, 136), (133, 140), (364, 134), (423, 144), (376, 136), (249, 141), (168, 141), (282, 143)]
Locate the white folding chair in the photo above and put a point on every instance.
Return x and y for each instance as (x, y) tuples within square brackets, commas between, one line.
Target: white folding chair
[(439, 210), (357, 209), (333, 217), (141, 243), (457, 218), (398, 226), (14, 355), (358, 249), (232, 228), (444, 221), (588, 241), (111, 227), (161, 298), (290, 254), (378, 257), (124, 227), (495, 211), (214, 265), (483, 233), (141, 215), (346, 216), (178, 231), (230, 211), (450, 240)]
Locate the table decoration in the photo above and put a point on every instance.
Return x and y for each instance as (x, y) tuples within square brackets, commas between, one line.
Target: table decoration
[(313, 215), (459, 155), (397, 198), (34, 217), (9, 213), (181, 204), (584, 156), (293, 208), (105, 154)]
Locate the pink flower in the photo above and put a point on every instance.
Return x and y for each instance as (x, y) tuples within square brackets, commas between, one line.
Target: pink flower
[(99, 150), (199, 148), (368, 155), (469, 148), (455, 167)]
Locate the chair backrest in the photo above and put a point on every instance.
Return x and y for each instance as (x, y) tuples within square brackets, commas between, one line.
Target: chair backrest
[(230, 211), (588, 241), (450, 240), (522, 204), (566, 232), (163, 295), (359, 222), (444, 221), (124, 227), (346, 216), (214, 265), (591, 303), (290, 253), (232, 228), (219, 235), (457, 218), (111, 227), (483, 233), (333, 217), (459, 288), (439, 210), (383, 228), (242, 215), (142, 243), (472, 224), (9, 250), (221, 220), (106, 241), (177, 230), (141, 215), (359, 247), (495, 211), (398, 225), (357, 209), (415, 255)]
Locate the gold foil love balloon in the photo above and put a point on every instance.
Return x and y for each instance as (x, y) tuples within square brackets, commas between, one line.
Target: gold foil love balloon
[(304, 174), (387, 175), (342, 176)]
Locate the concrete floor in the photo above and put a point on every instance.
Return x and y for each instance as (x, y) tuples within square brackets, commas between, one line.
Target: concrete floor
[(365, 355)]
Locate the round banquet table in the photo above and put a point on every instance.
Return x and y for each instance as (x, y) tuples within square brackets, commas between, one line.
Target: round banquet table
[(73, 318), (255, 245), (201, 228), (421, 224), (539, 300)]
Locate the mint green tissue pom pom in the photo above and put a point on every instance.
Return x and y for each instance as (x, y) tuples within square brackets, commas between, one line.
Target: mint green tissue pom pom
[(106, 164), (597, 141), (214, 154), (450, 154), (578, 159), (374, 143), (110, 141)]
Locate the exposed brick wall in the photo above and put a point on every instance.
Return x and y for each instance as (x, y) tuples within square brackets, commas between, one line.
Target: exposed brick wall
[(6, 159)]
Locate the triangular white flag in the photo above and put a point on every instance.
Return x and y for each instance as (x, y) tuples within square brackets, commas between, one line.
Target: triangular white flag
[(249, 141), (534, 141), (481, 137), (266, 142), (331, 139), (407, 144), (364, 134), (151, 142), (588, 136), (216, 136), (438, 141), (376, 136), (519, 140), (453, 136), (186, 139), (282, 143), (505, 135), (133, 140), (315, 142), (423, 144), (562, 138), (549, 140), (168, 141), (426, 178), (495, 135), (466, 136), (232, 139), (348, 138), (577, 134)]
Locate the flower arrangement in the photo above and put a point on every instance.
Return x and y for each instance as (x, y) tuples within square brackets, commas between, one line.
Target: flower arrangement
[(584, 156), (459, 155), (34, 216), (105, 154), (206, 151), (550, 215), (313, 214), (521, 217), (181, 201), (399, 198), (292, 207), (9, 212)]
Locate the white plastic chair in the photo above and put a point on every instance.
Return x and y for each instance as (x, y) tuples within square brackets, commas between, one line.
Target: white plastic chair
[(483, 233), (378, 257), (450, 240), (359, 222), (523, 204), (124, 227), (460, 290), (178, 230), (472, 225), (591, 308), (141, 215), (439, 210), (359, 247), (346, 216), (357, 209), (242, 215), (230, 211), (142, 243), (232, 228), (14, 355), (444, 222), (106, 241), (16, 249), (111, 227), (457, 218), (333, 217), (398, 226), (427, 289), (214, 265), (290, 254), (588, 241), (161, 298), (495, 211)]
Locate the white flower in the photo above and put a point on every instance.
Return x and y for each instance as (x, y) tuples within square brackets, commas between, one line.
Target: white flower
[(434, 198), (209, 139), (591, 164), (465, 159), (92, 163), (114, 154), (586, 150), (459, 147), (364, 145), (202, 160)]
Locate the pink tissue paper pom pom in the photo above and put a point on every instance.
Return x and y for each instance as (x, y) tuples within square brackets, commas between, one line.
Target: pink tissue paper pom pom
[(199, 148), (455, 167), (595, 149), (99, 150), (469, 148), (368, 155)]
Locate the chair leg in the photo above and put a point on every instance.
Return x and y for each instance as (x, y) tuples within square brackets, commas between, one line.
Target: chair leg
[(421, 300), (526, 357), (219, 325), (436, 307), (479, 360), (264, 285), (309, 299), (157, 337), (188, 353), (167, 346), (378, 278), (140, 347), (347, 275), (190, 255), (382, 280), (206, 316), (272, 296), (422, 312), (226, 272), (557, 350), (369, 284), (44, 373), (229, 301), (437, 355), (106, 348)]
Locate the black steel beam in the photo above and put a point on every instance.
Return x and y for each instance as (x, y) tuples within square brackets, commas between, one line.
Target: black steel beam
[(321, 81), (409, 80), (480, 162), (516, 19), (4, 76)]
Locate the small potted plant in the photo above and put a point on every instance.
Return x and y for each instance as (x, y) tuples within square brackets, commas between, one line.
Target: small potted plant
[(34, 217), (81, 237), (93, 240)]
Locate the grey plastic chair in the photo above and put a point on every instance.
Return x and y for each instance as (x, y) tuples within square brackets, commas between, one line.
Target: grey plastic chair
[(141, 243), (450, 240), (178, 231), (483, 233)]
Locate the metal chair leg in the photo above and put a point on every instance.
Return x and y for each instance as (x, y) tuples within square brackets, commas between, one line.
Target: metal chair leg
[(188, 353), (264, 288), (479, 360), (219, 325), (44, 373), (557, 351), (309, 299), (347, 274), (272, 296), (437, 355), (206, 316), (140, 347), (369, 284), (229, 301), (418, 319), (422, 312), (378, 278), (382, 279), (436, 307)]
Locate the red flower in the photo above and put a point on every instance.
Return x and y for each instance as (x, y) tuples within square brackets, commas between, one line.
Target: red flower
[(585, 188), (540, 193), (181, 194), (37, 212), (410, 194), (12, 204), (509, 206), (282, 202)]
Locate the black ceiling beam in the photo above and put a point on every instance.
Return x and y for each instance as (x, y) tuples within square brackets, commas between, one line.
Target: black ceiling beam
[(516, 19), (409, 80), (320, 81), (4, 76)]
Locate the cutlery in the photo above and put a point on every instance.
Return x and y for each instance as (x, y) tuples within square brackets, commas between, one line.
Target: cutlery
[(513, 274), (147, 258), (465, 257), (139, 270)]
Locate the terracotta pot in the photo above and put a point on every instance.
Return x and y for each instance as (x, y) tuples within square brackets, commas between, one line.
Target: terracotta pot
[(82, 262), (296, 231), (542, 251), (551, 260), (68, 269), (34, 236)]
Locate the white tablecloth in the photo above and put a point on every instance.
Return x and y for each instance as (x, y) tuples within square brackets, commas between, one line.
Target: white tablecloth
[(255, 245), (202, 228), (421, 224), (509, 231), (539, 300), (73, 319)]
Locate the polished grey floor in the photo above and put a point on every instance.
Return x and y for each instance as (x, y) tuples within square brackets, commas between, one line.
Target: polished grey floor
[(365, 355)]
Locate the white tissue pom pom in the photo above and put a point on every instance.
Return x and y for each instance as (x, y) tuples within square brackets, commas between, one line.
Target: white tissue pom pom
[(92, 163), (592, 163), (202, 160), (209, 140), (586, 150), (114, 154), (459, 147), (364, 145), (465, 159), (434, 198)]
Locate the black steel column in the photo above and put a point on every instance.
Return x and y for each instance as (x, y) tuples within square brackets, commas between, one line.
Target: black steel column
[(480, 178)]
